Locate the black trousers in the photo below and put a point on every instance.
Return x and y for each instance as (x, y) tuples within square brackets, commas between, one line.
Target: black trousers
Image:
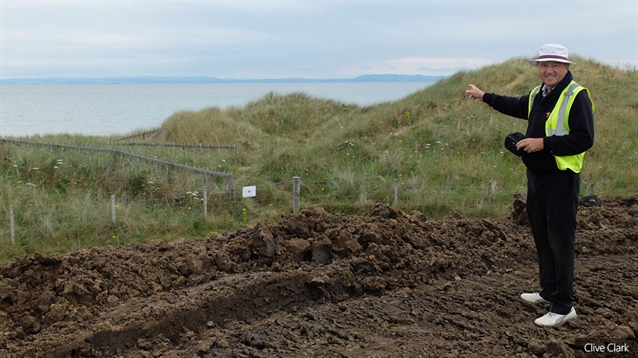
[(552, 203)]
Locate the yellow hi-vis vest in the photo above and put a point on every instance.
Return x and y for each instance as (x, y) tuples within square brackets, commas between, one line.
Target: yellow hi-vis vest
[(558, 124)]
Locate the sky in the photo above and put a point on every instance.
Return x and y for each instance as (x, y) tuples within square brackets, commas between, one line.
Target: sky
[(302, 39)]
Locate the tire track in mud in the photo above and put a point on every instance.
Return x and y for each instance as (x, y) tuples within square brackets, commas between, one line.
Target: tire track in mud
[(475, 316), (240, 297)]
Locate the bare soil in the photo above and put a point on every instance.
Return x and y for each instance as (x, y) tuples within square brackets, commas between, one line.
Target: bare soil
[(389, 284)]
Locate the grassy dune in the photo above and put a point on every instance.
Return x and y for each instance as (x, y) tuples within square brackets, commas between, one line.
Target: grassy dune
[(444, 151)]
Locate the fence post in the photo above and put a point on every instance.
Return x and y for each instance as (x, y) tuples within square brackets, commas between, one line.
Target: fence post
[(295, 194), (114, 164), (490, 191), (113, 208), (205, 204), (230, 186), (13, 229), (396, 192)]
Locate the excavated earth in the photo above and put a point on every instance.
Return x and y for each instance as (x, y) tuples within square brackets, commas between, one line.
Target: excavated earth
[(389, 284)]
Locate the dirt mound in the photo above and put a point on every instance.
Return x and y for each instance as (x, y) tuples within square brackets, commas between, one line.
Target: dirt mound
[(389, 284)]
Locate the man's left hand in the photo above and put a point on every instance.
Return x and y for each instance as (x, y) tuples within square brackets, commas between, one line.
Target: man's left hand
[(531, 145)]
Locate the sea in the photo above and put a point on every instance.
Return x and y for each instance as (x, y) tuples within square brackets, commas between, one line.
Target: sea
[(119, 109)]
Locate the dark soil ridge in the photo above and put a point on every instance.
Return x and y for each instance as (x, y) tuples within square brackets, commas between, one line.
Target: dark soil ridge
[(239, 297), (143, 300)]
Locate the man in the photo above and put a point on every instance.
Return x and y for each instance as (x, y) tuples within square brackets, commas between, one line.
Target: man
[(560, 129)]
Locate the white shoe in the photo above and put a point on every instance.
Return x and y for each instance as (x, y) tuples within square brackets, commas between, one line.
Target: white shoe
[(555, 320), (534, 298)]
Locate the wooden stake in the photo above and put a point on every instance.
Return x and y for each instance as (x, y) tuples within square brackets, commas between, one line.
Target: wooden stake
[(296, 194), (113, 208), (13, 229)]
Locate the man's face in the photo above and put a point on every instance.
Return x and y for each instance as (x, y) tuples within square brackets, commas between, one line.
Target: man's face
[(551, 73)]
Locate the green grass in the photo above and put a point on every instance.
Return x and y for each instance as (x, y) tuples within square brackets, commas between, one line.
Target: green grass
[(442, 149)]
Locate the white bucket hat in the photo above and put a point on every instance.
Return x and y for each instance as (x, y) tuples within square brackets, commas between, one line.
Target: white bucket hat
[(552, 52)]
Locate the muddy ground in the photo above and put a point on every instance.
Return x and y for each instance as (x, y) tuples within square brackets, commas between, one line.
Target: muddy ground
[(389, 284)]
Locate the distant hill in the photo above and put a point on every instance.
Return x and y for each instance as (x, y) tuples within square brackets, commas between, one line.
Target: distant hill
[(207, 79), (396, 78)]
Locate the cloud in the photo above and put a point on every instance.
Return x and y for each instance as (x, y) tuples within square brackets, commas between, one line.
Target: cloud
[(316, 39), (413, 64), (442, 66)]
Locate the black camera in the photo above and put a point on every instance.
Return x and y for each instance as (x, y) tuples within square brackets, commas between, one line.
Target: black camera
[(511, 140)]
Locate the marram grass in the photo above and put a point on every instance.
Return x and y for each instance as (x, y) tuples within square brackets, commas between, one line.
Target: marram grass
[(441, 152)]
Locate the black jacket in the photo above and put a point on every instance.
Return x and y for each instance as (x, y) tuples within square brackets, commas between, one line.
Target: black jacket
[(581, 124)]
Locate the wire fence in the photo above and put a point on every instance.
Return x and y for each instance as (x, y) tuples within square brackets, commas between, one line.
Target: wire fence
[(123, 159), (183, 146), (188, 189), (148, 177)]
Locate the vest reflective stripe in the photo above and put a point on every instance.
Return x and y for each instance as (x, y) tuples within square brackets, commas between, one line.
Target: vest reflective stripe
[(558, 124), (562, 125), (532, 95)]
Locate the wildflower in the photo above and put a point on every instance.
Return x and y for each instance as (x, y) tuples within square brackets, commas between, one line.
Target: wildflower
[(114, 237)]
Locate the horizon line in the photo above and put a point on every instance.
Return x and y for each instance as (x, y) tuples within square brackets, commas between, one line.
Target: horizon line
[(211, 79)]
